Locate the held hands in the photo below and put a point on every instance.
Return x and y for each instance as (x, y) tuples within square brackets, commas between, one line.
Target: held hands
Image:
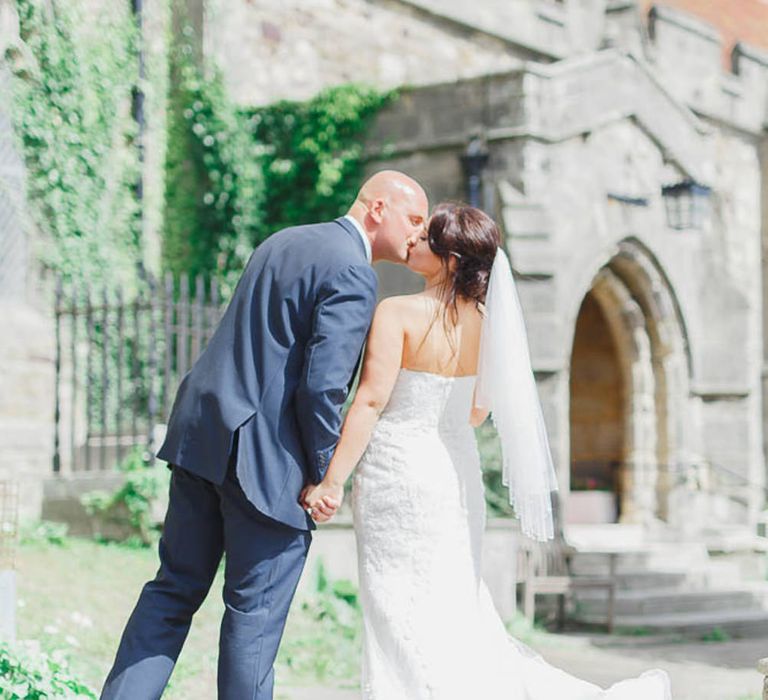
[(322, 501)]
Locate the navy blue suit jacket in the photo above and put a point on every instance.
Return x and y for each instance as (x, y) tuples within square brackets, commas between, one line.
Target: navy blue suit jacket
[(275, 375)]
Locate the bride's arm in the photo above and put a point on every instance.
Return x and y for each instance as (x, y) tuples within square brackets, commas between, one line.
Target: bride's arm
[(381, 365), (479, 414)]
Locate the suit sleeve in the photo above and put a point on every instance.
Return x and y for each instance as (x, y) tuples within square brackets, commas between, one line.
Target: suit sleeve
[(341, 321)]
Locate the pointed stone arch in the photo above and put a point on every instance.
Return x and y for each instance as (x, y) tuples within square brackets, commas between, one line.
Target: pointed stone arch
[(648, 334)]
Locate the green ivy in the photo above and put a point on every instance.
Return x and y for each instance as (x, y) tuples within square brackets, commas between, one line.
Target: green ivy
[(233, 177), (72, 92), (214, 188), (313, 152)]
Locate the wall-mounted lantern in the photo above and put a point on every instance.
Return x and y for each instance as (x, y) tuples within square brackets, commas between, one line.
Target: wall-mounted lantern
[(474, 160), (687, 204)]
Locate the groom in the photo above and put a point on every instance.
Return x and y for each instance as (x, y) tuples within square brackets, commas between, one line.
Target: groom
[(255, 420)]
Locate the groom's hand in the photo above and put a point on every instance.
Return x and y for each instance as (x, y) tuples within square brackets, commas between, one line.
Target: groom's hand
[(324, 500)]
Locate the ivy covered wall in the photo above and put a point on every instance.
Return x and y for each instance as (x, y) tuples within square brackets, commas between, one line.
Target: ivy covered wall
[(72, 96), (217, 179)]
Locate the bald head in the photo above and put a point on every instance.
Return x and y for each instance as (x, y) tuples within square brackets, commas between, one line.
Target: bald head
[(392, 209), (391, 185)]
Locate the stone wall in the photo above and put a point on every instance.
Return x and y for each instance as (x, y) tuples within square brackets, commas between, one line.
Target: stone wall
[(26, 341), (278, 49), (579, 152), (26, 401)]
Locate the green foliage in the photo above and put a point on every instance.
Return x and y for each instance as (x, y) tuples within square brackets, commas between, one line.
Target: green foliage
[(136, 502), (638, 631), (72, 92), (716, 634), (496, 494), (214, 188), (72, 97), (313, 160), (45, 532), (324, 635), (521, 628), (29, 674), (221, 163)]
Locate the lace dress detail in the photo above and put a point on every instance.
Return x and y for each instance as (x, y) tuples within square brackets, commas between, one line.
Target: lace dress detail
[(431, 631)]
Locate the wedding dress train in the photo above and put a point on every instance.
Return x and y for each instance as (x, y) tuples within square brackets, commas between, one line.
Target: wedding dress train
[(431, 631)]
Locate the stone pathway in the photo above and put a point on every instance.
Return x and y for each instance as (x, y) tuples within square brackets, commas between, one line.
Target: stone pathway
[(699, 670)]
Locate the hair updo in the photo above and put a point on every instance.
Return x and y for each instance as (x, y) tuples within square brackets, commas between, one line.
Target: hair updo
[(466, 240)]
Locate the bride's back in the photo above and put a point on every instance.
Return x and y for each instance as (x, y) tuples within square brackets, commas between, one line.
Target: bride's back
[(440, 343)]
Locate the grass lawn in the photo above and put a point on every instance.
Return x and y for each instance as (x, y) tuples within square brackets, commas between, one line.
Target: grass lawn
[(77, 597)]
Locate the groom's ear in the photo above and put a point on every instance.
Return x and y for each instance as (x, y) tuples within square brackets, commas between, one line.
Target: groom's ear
[(376, 210)]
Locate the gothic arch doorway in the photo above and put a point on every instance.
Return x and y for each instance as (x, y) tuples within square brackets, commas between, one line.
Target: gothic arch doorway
[(597, 414), (629, 379)]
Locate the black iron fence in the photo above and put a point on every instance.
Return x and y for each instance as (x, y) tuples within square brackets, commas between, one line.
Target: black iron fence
[(118, 363)]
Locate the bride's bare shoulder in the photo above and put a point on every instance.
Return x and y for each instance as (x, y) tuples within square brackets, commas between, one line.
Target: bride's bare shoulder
[(402, 302), (391, 308)]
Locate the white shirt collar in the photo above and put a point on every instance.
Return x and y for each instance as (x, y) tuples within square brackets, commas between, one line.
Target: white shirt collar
[(366, 242)]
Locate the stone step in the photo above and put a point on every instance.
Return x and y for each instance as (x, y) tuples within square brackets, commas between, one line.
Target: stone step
[(653, 558), (737, 623), (643, 579), (667, 601)]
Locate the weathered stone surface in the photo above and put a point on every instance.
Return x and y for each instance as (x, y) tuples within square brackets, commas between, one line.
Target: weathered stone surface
[(577, 184), (7, 605), (26, 401), (272, 49)]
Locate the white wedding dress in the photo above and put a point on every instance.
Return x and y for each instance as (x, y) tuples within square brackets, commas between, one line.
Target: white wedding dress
[(431, 631)]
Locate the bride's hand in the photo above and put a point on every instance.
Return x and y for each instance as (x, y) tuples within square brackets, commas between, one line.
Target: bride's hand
[(324, 500)]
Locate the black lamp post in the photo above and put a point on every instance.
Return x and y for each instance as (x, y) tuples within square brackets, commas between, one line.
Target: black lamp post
[(474, 160), (686, 204)]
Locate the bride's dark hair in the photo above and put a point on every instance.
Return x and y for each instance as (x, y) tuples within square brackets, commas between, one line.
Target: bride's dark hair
[(465, 238)]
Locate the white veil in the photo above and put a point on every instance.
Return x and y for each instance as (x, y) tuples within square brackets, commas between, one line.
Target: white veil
[(507, 387)]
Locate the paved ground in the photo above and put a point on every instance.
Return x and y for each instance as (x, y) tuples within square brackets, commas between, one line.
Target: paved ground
[(699, 670)]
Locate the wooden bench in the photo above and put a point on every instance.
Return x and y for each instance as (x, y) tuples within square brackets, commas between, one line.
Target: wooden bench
[(544, 568)]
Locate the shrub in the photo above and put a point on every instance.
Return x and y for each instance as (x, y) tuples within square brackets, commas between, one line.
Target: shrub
[(137, 502), (45, 532), (26, 673)]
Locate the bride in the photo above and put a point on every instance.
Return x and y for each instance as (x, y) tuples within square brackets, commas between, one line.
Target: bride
[(435, 363)]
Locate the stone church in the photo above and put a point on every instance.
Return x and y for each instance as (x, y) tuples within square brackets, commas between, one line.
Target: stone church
[(622, 147)]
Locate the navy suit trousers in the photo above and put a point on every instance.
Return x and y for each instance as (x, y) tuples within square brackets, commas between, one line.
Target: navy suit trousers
[(263, 563)]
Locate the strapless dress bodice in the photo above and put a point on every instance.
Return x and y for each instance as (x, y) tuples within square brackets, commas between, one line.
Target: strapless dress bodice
[(425, 400)]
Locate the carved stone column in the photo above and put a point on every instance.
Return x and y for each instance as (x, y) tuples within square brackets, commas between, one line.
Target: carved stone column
[(628, 325)]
